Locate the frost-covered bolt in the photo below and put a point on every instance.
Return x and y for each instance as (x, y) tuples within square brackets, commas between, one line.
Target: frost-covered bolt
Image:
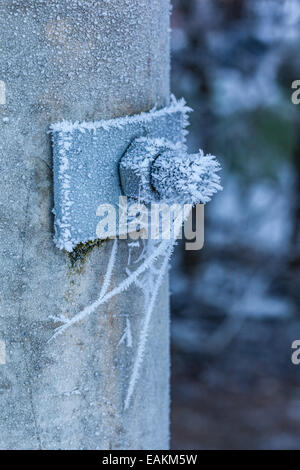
[(158, 170)]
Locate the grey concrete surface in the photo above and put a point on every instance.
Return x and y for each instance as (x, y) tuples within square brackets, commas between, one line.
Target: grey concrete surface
[(75, 60)]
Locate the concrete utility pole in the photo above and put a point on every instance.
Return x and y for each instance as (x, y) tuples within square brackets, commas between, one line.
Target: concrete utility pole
[(74, 60)]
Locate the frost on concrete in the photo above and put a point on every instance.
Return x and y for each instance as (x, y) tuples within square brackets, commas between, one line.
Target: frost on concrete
[(127, 335), (149, 283), (148, 276), (176, 106), (79, 61)]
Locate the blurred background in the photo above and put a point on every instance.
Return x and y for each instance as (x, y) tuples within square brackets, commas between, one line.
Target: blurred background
[(235, 304)]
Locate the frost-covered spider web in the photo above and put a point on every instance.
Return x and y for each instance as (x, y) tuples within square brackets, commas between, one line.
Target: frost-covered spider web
[(147, 273), (149, 269)]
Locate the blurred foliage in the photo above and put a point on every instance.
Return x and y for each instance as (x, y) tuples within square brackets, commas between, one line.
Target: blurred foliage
[(255, 143), (235, 304), (234, 61)]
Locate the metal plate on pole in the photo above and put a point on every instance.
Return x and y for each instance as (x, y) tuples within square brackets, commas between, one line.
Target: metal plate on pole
[(86, 160)]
